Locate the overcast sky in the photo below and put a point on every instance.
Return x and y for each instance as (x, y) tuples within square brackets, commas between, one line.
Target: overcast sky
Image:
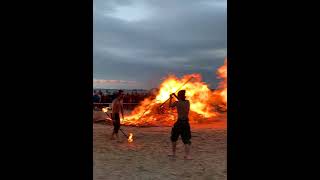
[(138, 42)]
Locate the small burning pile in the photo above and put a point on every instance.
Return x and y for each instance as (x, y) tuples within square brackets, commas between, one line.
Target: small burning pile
[(130, 138), (203, 101)]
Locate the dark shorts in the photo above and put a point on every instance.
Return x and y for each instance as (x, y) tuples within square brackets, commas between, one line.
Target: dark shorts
[(116, 122), (181, 128)]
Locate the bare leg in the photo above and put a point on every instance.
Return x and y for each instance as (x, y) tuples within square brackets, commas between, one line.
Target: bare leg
[(112, 136), (174, 145), (187, 151), (118, 140)]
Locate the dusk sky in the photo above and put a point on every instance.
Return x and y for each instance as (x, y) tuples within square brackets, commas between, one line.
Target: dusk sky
[(138, 42)]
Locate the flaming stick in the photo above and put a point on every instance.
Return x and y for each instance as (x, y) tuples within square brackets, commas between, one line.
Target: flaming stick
[(105, 110)]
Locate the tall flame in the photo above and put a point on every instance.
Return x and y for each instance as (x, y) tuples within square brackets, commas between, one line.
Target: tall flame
[(203, 101), (222, 88)]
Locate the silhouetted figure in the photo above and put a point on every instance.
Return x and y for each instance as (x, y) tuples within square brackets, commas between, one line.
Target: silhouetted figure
[(182, 126), (104, 98), (96, 99)]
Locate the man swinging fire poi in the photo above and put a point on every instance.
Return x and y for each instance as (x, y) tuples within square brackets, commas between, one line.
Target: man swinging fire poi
[(182, 126)]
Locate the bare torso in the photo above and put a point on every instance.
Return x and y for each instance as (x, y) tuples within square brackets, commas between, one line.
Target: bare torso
[(117, 105)]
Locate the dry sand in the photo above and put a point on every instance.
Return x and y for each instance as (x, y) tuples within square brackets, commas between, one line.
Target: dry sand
[(146, 157)]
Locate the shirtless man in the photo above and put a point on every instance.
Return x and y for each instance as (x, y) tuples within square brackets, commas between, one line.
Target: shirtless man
[(182, 126), (117, 107)]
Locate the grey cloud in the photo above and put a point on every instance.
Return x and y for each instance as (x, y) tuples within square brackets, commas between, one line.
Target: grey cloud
[(179, 36)]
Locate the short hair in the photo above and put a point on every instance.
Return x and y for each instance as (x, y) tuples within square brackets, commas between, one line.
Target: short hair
[(182, 94), (120, 92)]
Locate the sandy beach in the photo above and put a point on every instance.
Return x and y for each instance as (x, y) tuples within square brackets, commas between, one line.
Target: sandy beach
[(146, 157)]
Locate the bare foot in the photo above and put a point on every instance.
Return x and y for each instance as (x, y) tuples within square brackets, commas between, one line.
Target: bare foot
[(187, 157)]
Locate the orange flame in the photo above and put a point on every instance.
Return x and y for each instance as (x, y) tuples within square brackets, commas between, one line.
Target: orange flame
[(105, 109), (222, 88), (130, 138), (203, 101)]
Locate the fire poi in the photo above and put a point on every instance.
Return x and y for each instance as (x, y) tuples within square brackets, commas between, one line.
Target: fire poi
[(205, 104), (130, 137)]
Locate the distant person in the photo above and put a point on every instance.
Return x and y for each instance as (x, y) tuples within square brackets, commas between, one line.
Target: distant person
[(136, 97), (132, 98), (96, 99), (109, 98), (100, 94), (182, 126), (104, 98), (117, 107), (127, 98)]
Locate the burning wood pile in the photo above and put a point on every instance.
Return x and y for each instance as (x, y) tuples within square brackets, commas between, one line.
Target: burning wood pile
[(205, 105)]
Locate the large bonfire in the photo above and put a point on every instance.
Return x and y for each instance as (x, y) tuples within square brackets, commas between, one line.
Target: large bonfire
[(206, 105)]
